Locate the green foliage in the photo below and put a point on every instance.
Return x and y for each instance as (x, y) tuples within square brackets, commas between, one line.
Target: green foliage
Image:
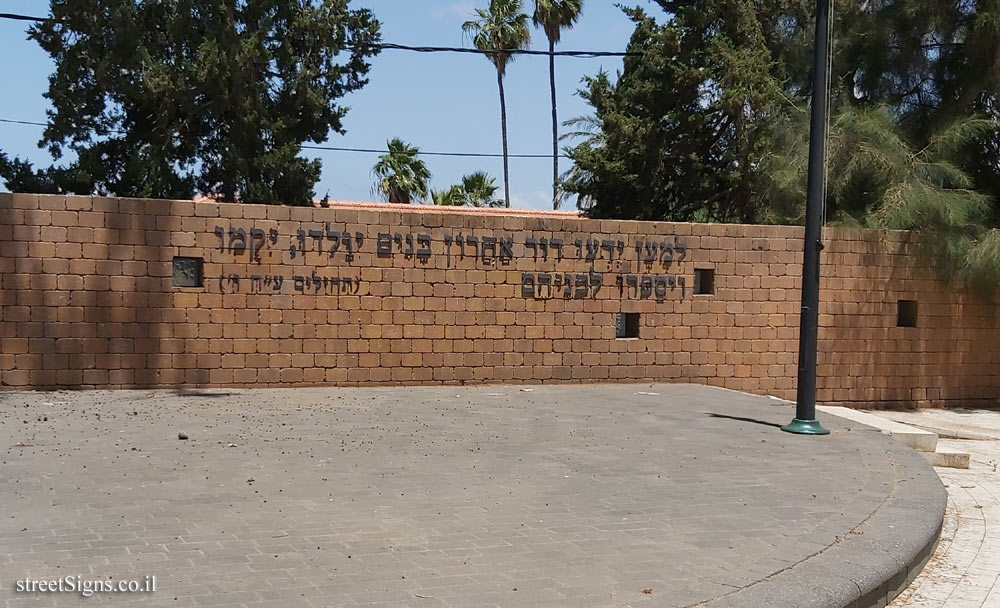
[(553, 16), (476, 190), (687, 123), (710, 123), (401, 177), (499, 30), (452, 197), (21, 177), (216, 96), (878, 179)]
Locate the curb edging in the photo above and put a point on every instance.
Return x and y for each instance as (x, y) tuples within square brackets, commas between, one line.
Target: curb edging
[(873, 563)]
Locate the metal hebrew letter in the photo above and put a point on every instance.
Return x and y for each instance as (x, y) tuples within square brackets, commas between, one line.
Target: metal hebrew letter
[(680, 283), (650, 252), (278, 282), (460, 241), (610, 246), (335, 237), (533, 243), (300, 282), (256, 243), (409, 245), (633, 282), (557, 244), (527, 285), (667, 255), (490, 244), (256, 283), (506, 250), (593, 249), (596, 282), (317, 237), (579, 248), (300, 235), (620, 281), (447, 250), (335, 283), (582, 286), (383, 245), (543, 244), (237, 239), (359, 239), (221, 233), (680, 248), (317, 282), (660, 288), (345, 238), (567, 286), (424, 249), (345, 283), (646, 289), (273, 234)]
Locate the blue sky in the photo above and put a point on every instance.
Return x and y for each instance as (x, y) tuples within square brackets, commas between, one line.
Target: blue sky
[(438, 102)]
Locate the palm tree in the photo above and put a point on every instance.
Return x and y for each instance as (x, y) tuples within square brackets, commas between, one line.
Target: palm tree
[(476, 190), (553, 16), (400, 176), (479, 190), (500, 30), (452, 197)]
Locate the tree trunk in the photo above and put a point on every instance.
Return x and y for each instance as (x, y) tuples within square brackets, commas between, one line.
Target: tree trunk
[(503, 131), (555, 126)]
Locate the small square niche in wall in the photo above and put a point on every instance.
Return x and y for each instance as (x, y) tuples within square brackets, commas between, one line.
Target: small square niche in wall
[(187, 272), (704, 281), (906, 313), (628, 325)]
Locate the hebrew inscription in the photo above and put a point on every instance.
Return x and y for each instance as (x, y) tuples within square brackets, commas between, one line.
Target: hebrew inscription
[(646, 274)]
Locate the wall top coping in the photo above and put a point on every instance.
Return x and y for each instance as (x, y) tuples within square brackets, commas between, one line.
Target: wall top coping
[(574, 218)]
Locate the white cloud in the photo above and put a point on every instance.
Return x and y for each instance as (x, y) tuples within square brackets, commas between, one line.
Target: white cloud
[(537, 199), (465, 10)]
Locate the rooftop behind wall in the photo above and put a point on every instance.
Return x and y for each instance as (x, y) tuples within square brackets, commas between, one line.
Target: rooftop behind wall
[(362, 294)]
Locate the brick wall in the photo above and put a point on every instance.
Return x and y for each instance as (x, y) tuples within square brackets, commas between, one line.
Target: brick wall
[(89, 301)]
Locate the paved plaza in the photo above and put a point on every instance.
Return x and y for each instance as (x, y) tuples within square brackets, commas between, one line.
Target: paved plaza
[(965, 569), (559, 496)]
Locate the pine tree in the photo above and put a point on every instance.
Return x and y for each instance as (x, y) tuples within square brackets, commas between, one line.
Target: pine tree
[(168, 98)]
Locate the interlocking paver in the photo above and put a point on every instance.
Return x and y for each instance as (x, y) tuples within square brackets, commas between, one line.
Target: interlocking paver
[(965, 569), (434, 496)]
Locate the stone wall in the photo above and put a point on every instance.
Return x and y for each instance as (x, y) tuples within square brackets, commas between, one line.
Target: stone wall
[(302, 296)]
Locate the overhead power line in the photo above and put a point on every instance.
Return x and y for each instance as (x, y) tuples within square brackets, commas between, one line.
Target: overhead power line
[(419, 49), (455, 49), (360, 150)]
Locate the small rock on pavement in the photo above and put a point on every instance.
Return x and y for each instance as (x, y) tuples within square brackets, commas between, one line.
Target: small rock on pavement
[(182, 436)]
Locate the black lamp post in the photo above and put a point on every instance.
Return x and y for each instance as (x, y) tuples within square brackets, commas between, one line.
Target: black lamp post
[(805, 422)]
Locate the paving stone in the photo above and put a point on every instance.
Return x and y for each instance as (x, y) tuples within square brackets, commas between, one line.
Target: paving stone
[(575, 496)]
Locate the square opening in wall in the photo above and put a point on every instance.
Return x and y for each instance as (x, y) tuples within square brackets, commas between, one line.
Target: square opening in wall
[(628, 325), (906, 313), (187, 272), (704, 281)]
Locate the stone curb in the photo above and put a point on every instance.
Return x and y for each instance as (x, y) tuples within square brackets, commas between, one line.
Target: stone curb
[(873, 563)]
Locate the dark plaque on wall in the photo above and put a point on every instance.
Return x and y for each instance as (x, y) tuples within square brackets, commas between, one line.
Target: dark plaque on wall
[(187, 272)]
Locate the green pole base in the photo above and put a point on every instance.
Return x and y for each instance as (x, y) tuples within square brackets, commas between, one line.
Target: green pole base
[(805, 427)]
